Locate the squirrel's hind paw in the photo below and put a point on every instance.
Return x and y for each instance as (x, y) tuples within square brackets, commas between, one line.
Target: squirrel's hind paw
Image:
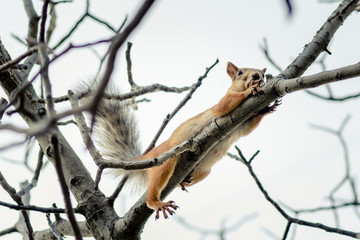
[(165, 208)]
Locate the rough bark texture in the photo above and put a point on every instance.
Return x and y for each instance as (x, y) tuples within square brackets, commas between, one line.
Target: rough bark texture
[(101, 218)]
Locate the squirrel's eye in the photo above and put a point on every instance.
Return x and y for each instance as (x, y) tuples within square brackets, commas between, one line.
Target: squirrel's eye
[(240, 72)]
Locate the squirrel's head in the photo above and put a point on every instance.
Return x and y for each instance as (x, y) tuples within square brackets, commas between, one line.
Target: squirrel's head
[(242, 77)]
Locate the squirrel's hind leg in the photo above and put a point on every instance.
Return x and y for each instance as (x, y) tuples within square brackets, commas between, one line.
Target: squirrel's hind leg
[(158, 179)]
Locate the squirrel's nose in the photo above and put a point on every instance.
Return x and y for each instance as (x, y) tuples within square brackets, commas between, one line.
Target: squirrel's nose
[(256, 76)]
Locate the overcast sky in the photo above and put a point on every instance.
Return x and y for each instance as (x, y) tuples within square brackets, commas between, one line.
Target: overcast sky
[(176, 41)]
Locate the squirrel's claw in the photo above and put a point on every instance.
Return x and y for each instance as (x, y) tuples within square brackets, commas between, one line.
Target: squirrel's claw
[(271, 108), (186, 182), (275, 105), (255, 87), (165, 209), (182, 186)]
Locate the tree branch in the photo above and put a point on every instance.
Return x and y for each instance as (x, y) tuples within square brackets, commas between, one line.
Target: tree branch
[(188, 145), (63, 227), (64, 187), (320, 41), (182, 103), (24, 219), (117, 42), (290, 219), (315, 80), (33, 22), (12, 63)]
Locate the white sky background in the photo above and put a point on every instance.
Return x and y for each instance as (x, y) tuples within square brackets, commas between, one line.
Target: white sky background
[(177, 40)]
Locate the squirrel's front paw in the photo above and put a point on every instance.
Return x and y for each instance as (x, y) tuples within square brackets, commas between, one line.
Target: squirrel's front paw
[(255, 87), (165, 209)]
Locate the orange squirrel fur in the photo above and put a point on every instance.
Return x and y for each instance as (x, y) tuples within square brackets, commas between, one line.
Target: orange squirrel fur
[(118, 136)]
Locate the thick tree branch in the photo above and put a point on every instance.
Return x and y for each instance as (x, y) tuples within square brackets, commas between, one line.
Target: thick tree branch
[(63, 227), (315, 80), (320, 41), (76, 175)]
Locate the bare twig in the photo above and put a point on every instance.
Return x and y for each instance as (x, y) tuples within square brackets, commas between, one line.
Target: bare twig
[(331, 98), (222, 230), (34, 208), (43, 21), (13, 144), (188, 145), (84, 130), (118, 189), (347, 178), (52, 24), (8, 231), (64, 188), (265, 49), (120, 97), (290, 219), (318, 209), (66, 123), (63, 227), (35, 178), (99, 173), (133, 85), (25, 85), (11, 64), (289, 6), (43, 125), (33, 22), (45, 79), (117, 42), (12, 192), (52, 227), (181, 104), (104, 57), (81, 20)]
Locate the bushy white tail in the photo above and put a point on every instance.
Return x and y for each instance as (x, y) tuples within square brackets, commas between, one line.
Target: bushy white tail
[(117, 137)]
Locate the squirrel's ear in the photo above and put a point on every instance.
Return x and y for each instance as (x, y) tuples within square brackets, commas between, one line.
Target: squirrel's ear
[(264, 70), (232, 70)]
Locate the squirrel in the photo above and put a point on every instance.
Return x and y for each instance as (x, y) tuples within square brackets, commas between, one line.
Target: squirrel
[(118, 137)]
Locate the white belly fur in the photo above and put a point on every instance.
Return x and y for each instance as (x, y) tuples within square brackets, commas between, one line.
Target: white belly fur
[(219, 150)]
